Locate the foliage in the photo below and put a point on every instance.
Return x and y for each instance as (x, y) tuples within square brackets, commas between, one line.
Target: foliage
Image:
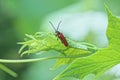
[(103, 59), (47, 41), (78, 54)]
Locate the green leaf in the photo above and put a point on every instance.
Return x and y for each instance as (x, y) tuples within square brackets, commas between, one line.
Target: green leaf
[(103, 59), (47, 41), (75, 51), (68, 78)]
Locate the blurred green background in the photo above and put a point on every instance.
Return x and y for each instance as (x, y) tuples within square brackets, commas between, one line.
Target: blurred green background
[(82, 20)]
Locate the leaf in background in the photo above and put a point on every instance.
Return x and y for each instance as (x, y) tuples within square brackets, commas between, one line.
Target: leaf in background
[(103, 59), (29, 14)]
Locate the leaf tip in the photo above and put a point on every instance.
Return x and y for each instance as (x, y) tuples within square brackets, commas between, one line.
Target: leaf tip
[(107, 9)]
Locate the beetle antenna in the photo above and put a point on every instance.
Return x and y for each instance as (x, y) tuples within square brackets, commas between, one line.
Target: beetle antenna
[(52, 26), (58, 25)]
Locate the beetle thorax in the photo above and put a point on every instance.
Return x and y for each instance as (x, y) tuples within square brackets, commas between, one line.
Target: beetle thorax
[(58, 33)]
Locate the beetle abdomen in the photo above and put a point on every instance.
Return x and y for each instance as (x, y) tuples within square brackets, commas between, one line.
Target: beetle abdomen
[(62, 38)]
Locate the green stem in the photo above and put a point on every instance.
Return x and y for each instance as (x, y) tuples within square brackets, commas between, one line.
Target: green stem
[(7, 70), (38, 59)]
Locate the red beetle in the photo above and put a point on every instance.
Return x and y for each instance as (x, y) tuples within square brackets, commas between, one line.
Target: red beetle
[(59, 34)]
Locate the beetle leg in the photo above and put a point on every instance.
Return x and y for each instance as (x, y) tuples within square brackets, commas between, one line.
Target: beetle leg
[(57, 37), (62, 52)]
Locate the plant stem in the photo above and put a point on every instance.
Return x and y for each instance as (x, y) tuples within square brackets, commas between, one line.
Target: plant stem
[(38, 59)]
